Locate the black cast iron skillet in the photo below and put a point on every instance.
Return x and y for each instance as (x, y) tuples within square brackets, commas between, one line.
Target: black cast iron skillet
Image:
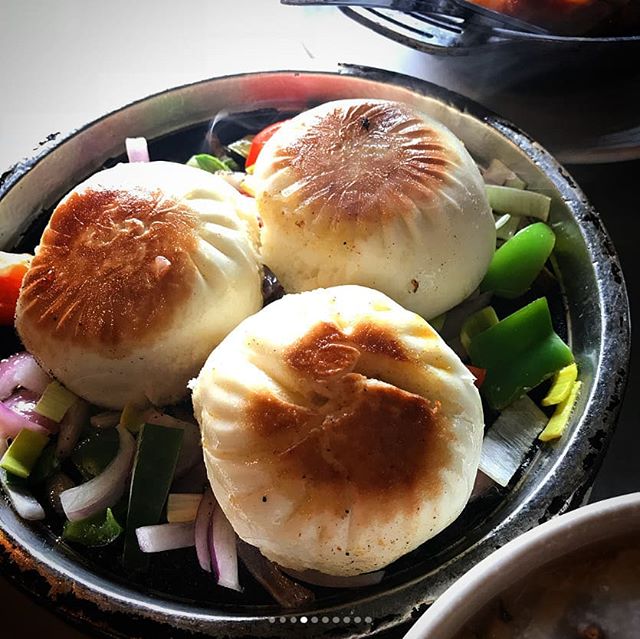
[(176, 599)]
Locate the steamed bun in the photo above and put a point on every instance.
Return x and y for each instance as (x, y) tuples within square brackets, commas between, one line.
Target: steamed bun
[(141, 271), (339, 430), (372, 192)]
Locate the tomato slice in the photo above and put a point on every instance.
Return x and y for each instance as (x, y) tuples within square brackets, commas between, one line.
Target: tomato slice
[(11, 277), (259, 141)]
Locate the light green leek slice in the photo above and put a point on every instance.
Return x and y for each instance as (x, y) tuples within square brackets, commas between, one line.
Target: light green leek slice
[(504, 199), (241, 146), (182, 507), (21, 456), (560, 418), (476, 323), (561, 386), (514, 182), (55, 401), (132, 417)]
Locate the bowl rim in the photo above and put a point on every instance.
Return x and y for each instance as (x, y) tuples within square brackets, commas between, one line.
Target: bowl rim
[(503, 568), (602, 412)]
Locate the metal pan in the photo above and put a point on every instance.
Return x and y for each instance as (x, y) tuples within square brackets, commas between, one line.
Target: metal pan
[(176, 602)]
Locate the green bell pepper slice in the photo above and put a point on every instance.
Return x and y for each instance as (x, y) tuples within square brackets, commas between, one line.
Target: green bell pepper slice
[(153, 470), (98, 530), (518, 353), (517, 263)]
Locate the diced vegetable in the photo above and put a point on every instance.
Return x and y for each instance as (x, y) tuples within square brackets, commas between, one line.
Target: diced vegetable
[(479, 374), (104, 490), (21, 456), (54, 486), (507, 226), (21, 369), (156, 458), (163, 537), (132, 417), (71, 427), (561, 386), (241, 146), (98, 530), (107, 419), (476, 323), (517, 263), (183, 507), (12, 423), (260, 140), (96, 451), (514, 182), (519, 352), (285, 591), (207, 162), (497, 173), (12, 271), (510, 438), (504, 199), (560, 418), (46, 465), (203, 528), (26, 505), (224, 555), (55, 401), (137, 149)]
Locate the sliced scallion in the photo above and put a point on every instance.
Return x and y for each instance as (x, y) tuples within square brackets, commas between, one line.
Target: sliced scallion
[(560, 418), (476, 323), (504, 199), (20, 458), (55, 401)]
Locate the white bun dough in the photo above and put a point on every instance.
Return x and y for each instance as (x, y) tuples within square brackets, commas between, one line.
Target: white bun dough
[(339, 430), (141, 271), (371, 192)]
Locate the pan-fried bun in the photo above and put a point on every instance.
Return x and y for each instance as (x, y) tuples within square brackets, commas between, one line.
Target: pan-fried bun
[(141, 271), (372, 192), (339, 430)]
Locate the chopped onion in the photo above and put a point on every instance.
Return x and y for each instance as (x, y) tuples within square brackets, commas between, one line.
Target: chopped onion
[(70, 428), (288, 593), (21, 369), (165, 537), (510, 438), (12, 422), (24, 402), (26, 505), (3, 446), (183, 507), (224, 555), (458, 314), (332, 581), (497, 173), (137, 150), (107, 419), (202, 527), (105, 489)]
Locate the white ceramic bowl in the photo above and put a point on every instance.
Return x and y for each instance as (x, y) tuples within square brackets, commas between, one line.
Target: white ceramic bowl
[(513, 563)]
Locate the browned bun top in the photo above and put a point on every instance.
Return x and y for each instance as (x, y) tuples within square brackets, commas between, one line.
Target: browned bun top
[(113, 265), (380, 441), (363, 160)]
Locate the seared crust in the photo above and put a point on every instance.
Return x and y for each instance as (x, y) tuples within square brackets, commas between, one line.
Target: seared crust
[(112, 268), (370, 162)]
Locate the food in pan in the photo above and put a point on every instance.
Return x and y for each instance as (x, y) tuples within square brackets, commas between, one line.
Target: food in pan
[(374, 193), (141, 271), (119, 464), (325, 405)]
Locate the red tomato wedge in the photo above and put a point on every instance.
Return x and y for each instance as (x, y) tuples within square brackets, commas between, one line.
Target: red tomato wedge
[(259, 141), (12, 270)]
